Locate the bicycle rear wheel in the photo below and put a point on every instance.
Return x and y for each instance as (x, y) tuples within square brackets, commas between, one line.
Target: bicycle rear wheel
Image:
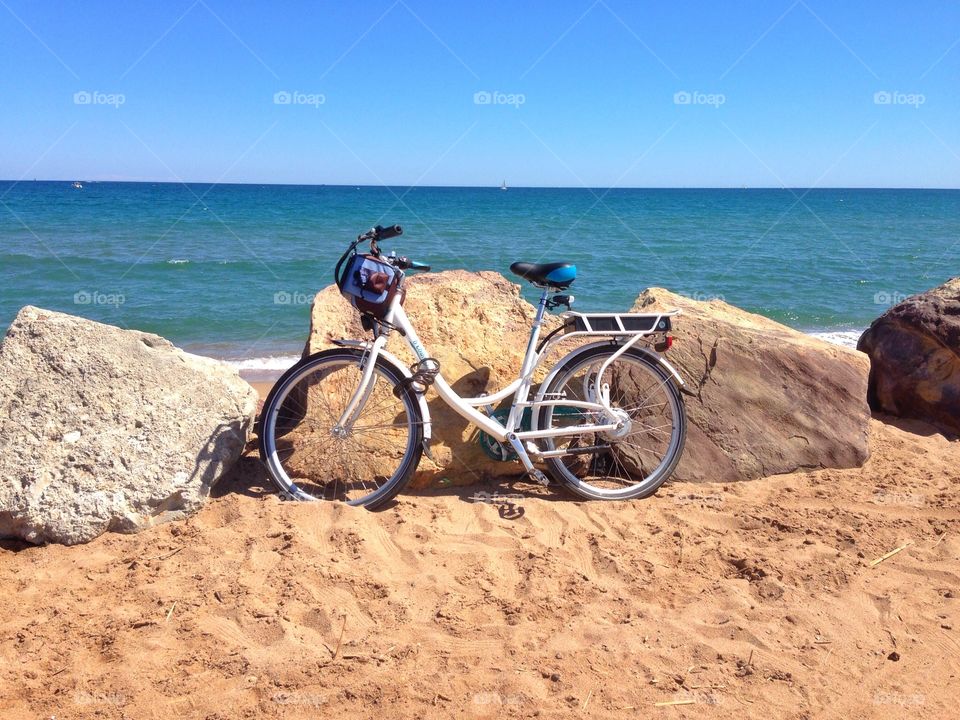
[(310, 457), (628, 463)]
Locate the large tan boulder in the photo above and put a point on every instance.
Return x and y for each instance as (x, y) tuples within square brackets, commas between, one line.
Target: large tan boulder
[(914, 351), (766, 399), (477, 326), (108, 429)]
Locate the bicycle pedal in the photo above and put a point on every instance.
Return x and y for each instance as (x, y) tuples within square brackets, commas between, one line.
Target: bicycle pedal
[(539, 477)]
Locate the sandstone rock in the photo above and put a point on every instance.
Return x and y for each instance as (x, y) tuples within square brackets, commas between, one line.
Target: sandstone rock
[(768, 399), (477, 326), (914, 351), (108, 429)]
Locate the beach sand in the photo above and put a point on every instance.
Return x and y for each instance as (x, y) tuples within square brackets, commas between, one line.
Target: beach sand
[(756, 599), (262, 387)]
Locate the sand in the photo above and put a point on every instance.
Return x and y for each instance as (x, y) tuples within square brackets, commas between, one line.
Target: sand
[(749, 600), (262, 387)]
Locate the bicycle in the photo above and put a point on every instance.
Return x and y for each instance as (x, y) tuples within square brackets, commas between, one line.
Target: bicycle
[(351, 423)]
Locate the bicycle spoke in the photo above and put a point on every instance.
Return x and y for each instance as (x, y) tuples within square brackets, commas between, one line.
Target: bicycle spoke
[(314, 458), (633, 460)]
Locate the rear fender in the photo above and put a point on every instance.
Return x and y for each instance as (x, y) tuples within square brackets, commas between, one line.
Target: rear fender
[(654, 357)]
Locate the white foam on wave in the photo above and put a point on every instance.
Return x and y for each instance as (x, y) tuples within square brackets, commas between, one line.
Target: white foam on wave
[(272, 362), (846, 338), (177, 261)]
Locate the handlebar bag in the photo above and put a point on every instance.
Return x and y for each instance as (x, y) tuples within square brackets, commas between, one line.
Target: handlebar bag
[(370, 284)]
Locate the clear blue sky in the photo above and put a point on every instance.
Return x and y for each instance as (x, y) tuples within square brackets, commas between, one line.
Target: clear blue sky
[(781, 92)]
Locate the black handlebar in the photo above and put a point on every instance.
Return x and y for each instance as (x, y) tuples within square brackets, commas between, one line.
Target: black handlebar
[(373, 235), (376, 234), (385, 233)]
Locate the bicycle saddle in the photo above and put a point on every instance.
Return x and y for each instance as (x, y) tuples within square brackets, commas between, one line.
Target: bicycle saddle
[(556, 275)]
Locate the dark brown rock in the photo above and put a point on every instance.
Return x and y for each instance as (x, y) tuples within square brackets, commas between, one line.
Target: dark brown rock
[(914, 351)]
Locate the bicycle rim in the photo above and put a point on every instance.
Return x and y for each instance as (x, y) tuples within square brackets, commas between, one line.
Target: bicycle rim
[(629, 463), (310, 459)]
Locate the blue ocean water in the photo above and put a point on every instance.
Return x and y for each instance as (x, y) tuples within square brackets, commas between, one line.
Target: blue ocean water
[(229, 270)]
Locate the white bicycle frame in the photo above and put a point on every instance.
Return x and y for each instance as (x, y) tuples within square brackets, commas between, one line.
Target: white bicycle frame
[(519, 388)]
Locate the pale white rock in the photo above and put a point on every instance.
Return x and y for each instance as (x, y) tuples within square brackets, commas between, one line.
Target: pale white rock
[(104, 429)]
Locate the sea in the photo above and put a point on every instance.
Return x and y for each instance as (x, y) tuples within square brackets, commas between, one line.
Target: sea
[(229, 271)]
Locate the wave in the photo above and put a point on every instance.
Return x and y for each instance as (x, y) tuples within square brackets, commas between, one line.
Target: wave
[(271, 363), (846, 338), (41, 260)]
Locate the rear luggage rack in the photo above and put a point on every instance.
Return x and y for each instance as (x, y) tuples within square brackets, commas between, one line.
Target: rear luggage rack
[(617, 323)]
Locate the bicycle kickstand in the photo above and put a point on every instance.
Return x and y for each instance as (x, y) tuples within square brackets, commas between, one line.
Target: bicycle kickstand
[(537, 475)]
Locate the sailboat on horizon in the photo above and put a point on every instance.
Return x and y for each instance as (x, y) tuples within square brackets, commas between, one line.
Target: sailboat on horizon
[(503, 185)]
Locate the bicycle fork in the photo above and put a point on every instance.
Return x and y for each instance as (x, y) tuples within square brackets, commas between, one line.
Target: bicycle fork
[(360, 396)]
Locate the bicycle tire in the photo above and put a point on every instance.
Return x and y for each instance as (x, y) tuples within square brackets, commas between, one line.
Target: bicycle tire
[(663, 471), (281, 417)]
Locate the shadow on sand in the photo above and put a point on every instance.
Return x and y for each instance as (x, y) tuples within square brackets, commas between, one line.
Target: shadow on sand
[(914, 427), (249, 478)]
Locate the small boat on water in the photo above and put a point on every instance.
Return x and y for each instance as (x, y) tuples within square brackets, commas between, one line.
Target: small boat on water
[(77, 185), (503, 185)]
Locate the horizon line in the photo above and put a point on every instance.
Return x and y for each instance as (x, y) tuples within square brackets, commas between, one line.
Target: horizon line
[(491, 187)]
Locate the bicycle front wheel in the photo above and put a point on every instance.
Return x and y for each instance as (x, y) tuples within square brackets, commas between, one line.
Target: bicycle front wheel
[(633, 461), (310, 456)]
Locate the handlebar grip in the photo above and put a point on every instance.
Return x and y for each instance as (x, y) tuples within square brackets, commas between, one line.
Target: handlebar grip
[(391, 231), (405, 263)]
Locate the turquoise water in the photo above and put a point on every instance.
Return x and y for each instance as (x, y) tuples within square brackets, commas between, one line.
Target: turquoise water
[(228, 270)]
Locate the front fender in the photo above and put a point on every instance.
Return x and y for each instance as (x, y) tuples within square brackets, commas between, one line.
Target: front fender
[(405, 371)]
